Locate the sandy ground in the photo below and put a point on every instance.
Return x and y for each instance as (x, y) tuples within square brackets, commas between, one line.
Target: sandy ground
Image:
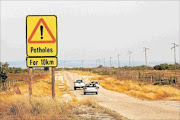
[(84, 111), (127, 106)]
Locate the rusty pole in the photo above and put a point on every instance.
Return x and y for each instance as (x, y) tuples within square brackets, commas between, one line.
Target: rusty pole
[(30, 81), (53, 82)]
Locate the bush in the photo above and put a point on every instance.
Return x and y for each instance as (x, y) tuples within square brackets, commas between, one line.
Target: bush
[(166, 66)]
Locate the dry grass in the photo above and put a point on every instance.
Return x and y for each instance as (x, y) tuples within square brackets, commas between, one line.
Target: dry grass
[(15, 102), (37, 74), (100, 109), (135, 89), (170, 73), (21, 107)]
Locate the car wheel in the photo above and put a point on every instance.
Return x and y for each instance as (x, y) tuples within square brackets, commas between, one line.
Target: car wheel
[(84, 93), (96, 93), (74, 88)]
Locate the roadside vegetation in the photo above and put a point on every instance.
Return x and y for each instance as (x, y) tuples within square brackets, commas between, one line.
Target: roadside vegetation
[(163, 74), (134, 88), (159, 67), (15, 102), (6, 71)]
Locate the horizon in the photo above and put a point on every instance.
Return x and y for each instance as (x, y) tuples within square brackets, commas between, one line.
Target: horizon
[(87, 63)]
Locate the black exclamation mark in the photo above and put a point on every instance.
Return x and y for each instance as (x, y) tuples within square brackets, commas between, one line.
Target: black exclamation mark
[(41, 28)]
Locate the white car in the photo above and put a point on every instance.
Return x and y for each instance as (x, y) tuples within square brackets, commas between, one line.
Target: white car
[(95, 82), (78, 84), (90, 88)]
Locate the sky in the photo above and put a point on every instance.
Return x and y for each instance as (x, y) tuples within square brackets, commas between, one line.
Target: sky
[(93, 30)]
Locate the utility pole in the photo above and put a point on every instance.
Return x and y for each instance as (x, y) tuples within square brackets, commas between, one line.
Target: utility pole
[(145, 49), (118, 61), (174, 47), (130, 58), (130, 62), (82, 63), (64, 64), (104, 62), (110, 65), (99, 61), (110, 61), (118, 67)]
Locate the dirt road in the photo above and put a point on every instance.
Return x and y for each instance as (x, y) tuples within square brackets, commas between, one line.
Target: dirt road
[(125, 105)]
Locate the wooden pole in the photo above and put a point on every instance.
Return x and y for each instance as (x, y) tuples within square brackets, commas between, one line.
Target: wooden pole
[(53, 82), (30, 82), (175, 45)]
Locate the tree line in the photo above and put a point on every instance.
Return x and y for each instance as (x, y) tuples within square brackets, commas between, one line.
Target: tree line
[(164, 66), (4, 69)]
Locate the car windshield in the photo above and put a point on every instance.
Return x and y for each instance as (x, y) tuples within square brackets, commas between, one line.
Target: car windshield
[(79, 81), (94, 82), (90, 85)]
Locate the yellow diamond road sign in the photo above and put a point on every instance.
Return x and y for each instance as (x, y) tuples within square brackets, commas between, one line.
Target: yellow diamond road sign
[(41, 35)]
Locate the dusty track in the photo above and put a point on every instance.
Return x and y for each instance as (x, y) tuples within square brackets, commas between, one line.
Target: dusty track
[(125, 105)]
